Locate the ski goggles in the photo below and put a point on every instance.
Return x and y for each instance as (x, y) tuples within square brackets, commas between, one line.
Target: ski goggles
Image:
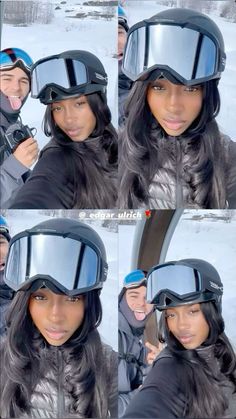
[(55, 75), (189, 56), (63, 262), (134, 279), (169, 285), (11, 56)]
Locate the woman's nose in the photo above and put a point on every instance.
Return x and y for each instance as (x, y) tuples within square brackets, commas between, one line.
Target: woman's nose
[(55, 312), (183, 322), (174, 100)]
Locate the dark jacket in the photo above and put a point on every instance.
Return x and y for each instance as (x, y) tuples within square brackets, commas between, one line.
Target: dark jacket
[(6, 296), (51, 400), (132, 363), (162, 394), (57, 179), (169, 189), (124, 87), (13, 173)]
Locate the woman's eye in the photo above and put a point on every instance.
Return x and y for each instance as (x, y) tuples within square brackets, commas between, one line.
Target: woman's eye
[(80, 103), (169, 315), (38, 297), (191, 88), (56, 109), (194, 311), (74, 299), (157, 87)]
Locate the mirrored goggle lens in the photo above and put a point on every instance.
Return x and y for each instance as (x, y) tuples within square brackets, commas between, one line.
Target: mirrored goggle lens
[(65, 73), (10, 57), (134, 279), (71, 263), (183, 51), (180, 280)]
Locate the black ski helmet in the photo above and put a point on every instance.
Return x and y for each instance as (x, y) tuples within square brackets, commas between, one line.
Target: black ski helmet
[(208, 51), (66, 75), (63, 254), (169, 287)]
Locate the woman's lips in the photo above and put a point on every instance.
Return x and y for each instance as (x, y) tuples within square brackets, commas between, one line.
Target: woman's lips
[(185, 338), (174, 125), (73, 132), (55, 334)]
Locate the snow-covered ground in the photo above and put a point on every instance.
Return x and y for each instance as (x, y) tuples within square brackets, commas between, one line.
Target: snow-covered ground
[(199, 234), (19, 220), (98, 36), (138, 10)]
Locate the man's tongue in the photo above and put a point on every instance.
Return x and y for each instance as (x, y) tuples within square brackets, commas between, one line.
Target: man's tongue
[(139, 315), (15, 102)]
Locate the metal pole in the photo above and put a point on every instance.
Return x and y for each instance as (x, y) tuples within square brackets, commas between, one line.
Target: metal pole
[(1, 20)]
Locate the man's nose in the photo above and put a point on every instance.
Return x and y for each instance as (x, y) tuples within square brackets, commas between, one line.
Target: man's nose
[(15, 86)]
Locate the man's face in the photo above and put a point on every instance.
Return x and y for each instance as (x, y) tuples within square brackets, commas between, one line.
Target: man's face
[(15, 85), (136, 300), (4, 246), (122, 36)]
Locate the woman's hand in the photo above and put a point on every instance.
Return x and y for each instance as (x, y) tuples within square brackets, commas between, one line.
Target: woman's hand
[(153, 351)]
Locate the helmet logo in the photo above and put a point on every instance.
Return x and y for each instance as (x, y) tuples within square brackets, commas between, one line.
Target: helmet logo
[(105, 271), (216, 286), (223, 62), (100, 76)]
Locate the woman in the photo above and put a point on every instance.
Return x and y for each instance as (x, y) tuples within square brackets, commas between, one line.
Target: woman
[(77, 168), (53, 361), (173, 154), (195, 375)]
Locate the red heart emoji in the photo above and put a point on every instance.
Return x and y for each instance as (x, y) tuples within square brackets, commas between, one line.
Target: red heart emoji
[(148, 213)]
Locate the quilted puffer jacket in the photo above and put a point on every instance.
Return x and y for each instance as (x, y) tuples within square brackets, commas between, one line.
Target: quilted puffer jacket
[(50, 399), (169, 188)]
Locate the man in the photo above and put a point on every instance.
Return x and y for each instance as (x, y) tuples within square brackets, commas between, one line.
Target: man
[(6, 294), (124, 83), (133, 357), (16, 156)]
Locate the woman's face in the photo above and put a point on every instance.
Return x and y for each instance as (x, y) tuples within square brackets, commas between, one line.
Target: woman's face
[(56, 316), (74, 117), (188, 324), (174, 106)]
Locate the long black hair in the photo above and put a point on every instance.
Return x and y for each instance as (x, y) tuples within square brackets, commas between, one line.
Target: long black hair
[(200, 384), (26, 358), (93, 162), (146, 148)]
